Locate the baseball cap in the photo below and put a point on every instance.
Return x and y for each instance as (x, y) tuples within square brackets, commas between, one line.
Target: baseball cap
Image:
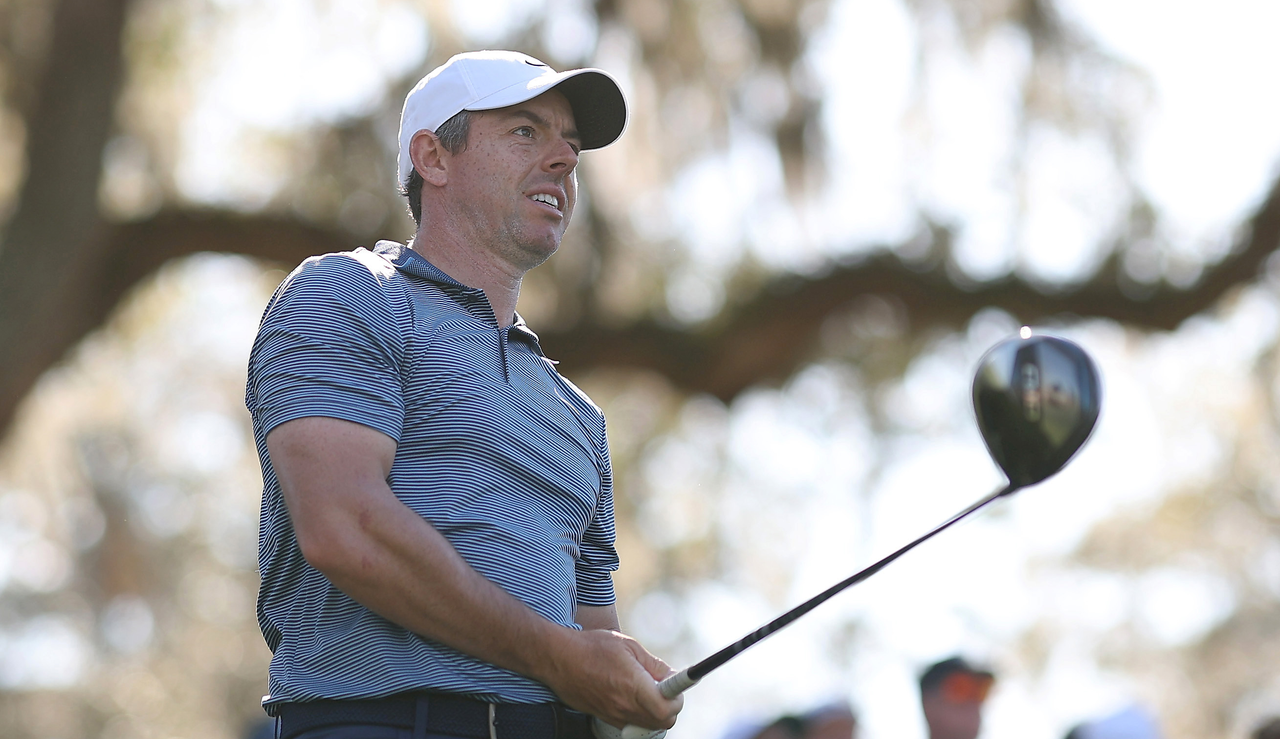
[(484, 80), (1132, 722)]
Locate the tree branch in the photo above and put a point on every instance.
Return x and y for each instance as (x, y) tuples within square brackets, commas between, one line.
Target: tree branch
[(123, 256), (764, 339), (775, 333)]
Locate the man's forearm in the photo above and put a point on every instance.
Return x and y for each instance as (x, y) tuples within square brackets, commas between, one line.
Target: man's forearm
[(400, 567), (352, 528), (406, 571)]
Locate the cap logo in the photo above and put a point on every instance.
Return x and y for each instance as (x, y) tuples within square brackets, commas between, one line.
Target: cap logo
[(533, 63)]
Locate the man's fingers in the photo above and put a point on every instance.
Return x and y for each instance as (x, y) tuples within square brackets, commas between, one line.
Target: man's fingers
[(650, 698), (671, 707), (656, 668), (620, 684)]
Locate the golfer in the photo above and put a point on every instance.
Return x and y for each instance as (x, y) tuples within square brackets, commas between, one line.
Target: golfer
[(437, 531)]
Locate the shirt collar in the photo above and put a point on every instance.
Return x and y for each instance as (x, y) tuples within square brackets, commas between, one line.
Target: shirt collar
[(409, 261)]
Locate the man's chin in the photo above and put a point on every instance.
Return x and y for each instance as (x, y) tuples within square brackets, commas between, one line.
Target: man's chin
[(537, 252)]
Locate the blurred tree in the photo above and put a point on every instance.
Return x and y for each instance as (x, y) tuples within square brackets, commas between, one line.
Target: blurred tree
[(64, 263)]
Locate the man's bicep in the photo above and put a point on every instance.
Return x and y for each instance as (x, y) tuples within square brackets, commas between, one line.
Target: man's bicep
[(326, 466)]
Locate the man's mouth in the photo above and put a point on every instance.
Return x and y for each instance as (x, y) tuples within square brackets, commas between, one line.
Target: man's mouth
[(547, 198)]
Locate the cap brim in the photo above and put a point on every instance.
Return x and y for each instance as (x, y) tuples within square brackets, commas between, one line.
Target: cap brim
[(599, 108)]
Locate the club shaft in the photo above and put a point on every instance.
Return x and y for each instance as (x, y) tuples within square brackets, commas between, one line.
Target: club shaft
[(686, 678)]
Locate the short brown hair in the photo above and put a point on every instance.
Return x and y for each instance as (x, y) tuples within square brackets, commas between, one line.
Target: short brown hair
[(453, 135)]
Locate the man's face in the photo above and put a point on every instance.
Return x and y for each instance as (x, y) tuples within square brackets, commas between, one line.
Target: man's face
[(953, 709), (515, 183)]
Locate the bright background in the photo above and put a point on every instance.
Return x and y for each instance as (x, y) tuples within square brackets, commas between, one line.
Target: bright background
[(1092, 592)]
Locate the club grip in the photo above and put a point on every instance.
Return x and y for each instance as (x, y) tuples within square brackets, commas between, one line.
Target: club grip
[(676, 684)]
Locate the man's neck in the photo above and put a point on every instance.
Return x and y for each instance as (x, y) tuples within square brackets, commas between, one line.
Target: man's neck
[(474, 268)]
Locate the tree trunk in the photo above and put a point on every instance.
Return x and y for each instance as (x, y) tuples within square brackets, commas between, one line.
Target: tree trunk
[(53, 242)]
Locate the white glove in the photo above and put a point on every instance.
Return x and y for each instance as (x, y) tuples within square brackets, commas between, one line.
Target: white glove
[(604, 730)]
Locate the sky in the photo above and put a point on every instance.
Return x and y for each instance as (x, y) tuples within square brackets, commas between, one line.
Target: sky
[(1208, 144), (1202, 153)]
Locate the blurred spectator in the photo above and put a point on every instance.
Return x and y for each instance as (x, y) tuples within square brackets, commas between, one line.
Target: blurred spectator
[(785, 727), (1130, 723), (952, 693), (830, 721), (1268, 729)]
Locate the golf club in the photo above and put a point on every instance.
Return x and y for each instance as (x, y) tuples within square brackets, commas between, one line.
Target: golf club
[(1036, 399)]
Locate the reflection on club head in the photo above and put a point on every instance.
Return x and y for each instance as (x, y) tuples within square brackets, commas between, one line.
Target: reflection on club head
[(1037, 399)]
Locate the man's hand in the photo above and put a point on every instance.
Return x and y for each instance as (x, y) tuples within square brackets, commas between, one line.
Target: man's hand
[(609, 675)]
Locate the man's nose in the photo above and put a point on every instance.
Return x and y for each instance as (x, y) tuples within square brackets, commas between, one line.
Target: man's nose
[(563, 158)]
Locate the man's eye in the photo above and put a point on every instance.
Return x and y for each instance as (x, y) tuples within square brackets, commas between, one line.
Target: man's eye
[(524, 131)]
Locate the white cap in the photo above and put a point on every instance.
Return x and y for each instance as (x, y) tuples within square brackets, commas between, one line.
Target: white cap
[(484, 80)]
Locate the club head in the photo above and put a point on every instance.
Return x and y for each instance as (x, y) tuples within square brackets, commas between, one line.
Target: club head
[(1037, 399)]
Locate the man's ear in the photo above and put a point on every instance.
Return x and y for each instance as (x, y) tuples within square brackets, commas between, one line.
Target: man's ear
[(428, 157)]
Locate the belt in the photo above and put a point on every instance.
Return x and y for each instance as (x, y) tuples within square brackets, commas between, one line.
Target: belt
[(440, 713)]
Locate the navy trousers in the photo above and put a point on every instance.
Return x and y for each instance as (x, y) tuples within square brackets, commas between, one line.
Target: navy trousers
[(367, 732)]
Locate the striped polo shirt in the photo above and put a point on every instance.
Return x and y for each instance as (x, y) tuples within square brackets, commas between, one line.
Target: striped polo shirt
[(505, 458)]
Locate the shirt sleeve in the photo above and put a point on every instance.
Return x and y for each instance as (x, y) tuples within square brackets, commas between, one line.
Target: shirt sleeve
[(599, 556), (329, 345)]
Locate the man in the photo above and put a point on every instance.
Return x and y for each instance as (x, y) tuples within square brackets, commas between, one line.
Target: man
[(835, 720), (952, 693), (437, 532), (832, 721)]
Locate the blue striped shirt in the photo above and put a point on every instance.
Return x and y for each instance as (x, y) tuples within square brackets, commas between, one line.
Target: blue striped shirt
[(505, 458)]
